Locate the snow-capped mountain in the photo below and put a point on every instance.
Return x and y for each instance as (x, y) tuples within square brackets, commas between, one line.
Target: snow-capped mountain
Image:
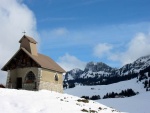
[(97, 69), (91, 70), (73, 74), (135, 67), (101, 74)]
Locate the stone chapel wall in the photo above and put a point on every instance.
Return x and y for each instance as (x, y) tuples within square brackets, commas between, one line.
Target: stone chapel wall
[(21, 72), (47, 81)]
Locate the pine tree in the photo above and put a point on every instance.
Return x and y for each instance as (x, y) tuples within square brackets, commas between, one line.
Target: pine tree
[(145, 83)]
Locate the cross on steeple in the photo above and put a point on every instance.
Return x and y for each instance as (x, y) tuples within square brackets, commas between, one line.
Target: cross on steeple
[(24, 32)]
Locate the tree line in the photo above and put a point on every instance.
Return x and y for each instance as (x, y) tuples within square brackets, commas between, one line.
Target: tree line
[(122, 94)]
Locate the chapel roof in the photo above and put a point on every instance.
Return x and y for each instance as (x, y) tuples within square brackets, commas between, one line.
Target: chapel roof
[(42, 60), (45, 61)]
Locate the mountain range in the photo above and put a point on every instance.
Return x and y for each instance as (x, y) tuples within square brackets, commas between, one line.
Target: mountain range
[(101, 74)]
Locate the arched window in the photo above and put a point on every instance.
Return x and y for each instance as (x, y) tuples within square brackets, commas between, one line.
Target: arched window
[(56, 77), (30, 77)]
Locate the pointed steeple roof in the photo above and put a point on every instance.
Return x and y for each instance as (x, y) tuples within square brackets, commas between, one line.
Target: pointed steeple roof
[(30, 39)]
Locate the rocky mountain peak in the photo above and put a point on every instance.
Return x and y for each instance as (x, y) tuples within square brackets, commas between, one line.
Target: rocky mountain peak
[(140, 64), (73, 74), (96, 67)]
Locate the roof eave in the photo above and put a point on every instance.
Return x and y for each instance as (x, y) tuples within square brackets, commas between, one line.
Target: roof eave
[(3, 68), (54, 70), (9, 61)]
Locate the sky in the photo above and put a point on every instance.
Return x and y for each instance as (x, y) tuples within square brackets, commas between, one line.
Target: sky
[(74, 32)]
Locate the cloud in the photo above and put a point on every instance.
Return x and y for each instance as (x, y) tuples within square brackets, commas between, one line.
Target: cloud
[(69, 62), (102, 49), (114, 39), (93, 35), (59, 31), (55, 33), (15, 17), (137, 47)]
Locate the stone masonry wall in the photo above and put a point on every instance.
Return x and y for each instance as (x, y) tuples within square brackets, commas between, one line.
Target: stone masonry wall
[(47, 81), (51, 86)]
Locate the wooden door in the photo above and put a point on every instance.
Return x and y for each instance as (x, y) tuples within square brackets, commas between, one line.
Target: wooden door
[(19, 83)]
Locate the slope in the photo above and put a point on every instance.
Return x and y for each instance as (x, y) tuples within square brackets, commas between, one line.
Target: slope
[(103, 89), (135, 104), (21, 101)]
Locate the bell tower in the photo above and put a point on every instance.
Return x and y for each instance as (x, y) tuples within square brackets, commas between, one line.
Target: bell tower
[(29, 44)]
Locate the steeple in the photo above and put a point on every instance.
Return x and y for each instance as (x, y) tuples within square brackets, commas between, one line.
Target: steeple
[(29, 44)]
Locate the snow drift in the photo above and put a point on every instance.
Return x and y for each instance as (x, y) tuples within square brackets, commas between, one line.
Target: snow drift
[(22, 101)]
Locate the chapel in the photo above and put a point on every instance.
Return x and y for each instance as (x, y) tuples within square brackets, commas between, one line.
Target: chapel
[(30, 70)]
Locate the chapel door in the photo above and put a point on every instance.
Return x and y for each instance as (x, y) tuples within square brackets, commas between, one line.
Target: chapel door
[(19, 83)]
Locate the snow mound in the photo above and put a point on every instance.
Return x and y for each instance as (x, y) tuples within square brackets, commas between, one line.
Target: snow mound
[(22, 101)]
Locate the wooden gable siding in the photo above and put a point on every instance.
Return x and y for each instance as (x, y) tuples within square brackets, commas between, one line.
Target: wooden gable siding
[(21, 60)]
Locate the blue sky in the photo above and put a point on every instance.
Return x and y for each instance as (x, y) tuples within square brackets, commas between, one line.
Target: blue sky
[(91, 30), (87, 13), (74, 32)]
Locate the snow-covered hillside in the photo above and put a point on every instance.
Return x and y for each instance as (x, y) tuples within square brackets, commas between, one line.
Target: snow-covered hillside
[(22, 101), (135, 104), (103, 89)]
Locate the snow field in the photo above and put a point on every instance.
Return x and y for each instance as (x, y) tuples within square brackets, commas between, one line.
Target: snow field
[(135, 104), (104, 89), (22, 101)]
